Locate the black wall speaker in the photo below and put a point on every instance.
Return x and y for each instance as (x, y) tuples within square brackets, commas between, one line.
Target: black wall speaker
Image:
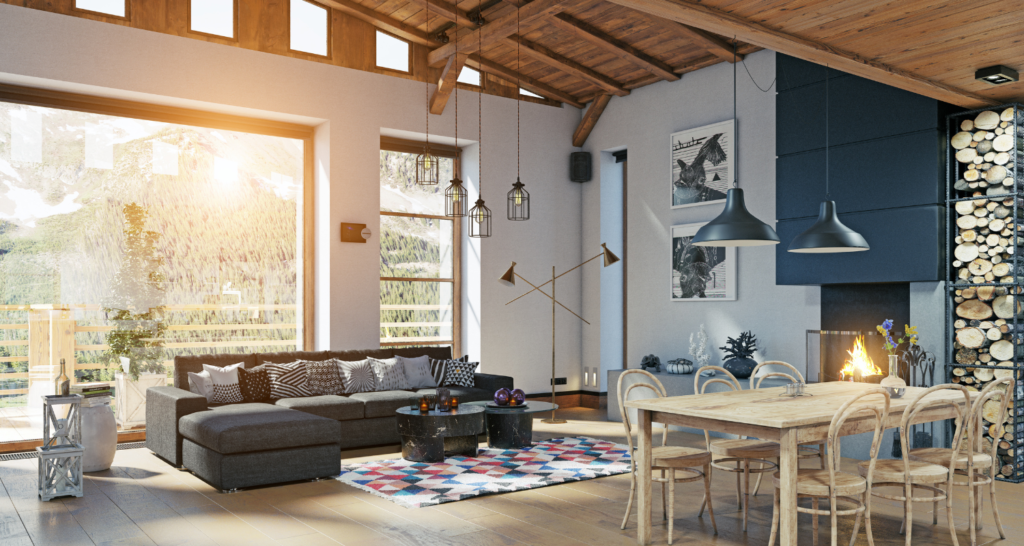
[(580, 167)]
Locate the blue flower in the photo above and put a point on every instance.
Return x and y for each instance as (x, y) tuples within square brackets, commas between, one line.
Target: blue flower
[(887, 324), (891, 342)]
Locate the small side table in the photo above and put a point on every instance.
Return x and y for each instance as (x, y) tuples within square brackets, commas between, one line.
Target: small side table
[(511, 427), (429, 437), (60, 457)]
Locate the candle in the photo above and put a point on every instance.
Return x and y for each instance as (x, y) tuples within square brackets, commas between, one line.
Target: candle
[(424, 407), (512, 402), (455, 403)]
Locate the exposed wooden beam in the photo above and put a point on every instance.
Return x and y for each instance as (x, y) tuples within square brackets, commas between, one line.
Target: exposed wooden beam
[(560, 62), (381, 21), (450, 12), (613, 45), (446, 83), (709, 42), (497, 30), (590, 119), (526, 82), (751, 32)]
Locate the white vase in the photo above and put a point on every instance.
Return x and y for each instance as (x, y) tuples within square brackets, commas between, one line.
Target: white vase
[(131, 397), (99, 434)]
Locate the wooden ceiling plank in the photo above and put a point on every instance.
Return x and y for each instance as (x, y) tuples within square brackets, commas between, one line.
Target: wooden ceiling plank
[(613, 45), (530, 84), (554, 59), (497, 30), (446, 83), (710, 43), (719, 22), (589, 120), (383, 22), (451, 12)]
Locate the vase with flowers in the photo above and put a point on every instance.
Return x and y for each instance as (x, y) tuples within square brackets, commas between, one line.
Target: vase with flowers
[(896, 385)]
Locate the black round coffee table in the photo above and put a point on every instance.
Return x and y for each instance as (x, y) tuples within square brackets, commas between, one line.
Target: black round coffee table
[(430, 437), (511, 427)]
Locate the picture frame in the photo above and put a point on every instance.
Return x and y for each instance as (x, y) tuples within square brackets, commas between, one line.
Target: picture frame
[(701, 164), (699, 273)]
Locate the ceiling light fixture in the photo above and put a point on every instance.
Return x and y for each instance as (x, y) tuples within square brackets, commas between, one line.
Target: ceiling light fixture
[(455, 194), (997, 75), (428, 170), (518, 206), (480, 215)]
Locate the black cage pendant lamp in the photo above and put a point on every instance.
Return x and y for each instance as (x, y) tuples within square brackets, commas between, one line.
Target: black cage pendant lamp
[(735, 226), (455, 194), (428, 168), (518, 206), (480, 215), (828, 234)]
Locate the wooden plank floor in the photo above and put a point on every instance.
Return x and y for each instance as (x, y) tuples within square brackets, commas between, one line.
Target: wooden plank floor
[(142, 500)]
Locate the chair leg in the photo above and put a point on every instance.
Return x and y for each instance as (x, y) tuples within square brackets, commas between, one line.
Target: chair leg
[(671, 502), (935, 509), (980, 508), (632, 493), (707, 496), (708, 469), (814, 521), (775, 518), (739, 490), (746, 492), (949, 514), (972, 514), (833, 508), (908, 510), (664, 507), (757, 484), (867, 517), (821, 455), (856, 527), (995, 508)]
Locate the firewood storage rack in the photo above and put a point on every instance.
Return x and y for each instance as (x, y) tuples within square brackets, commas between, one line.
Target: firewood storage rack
[(983, 299)]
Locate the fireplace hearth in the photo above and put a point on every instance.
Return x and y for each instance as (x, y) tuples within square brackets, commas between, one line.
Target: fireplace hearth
[(830, 351)]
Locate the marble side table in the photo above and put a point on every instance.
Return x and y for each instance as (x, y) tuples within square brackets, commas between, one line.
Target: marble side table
[(429, 437), (512, 427)]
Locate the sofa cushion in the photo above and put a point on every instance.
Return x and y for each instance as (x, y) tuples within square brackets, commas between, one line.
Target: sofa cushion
[(330, 406), (357, 376), (384, 403), (255, 384), (417, 371), (459, 374), (464, 394), (324, 376), (288, 380), (389, 374), (244, 428)]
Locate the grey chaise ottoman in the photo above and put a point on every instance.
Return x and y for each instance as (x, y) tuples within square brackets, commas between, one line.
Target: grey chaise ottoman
[(245, 445)]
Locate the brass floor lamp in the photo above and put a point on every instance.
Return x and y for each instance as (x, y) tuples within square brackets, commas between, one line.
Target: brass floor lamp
[(510, 278)]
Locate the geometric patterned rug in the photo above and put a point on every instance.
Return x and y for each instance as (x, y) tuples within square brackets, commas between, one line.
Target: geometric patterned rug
[(491, 472)]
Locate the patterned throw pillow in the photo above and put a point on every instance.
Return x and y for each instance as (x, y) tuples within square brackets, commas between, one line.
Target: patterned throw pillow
[(225, 384), (357, 376), (255, 384), (389, 374), (325, 377), (288, 380), (460, 374), (417, 371), (438, 368)]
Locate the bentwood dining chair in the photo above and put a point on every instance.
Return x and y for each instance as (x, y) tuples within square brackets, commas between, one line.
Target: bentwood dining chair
[(737, 455), (833, 484), (910, 474), (809, 451), (693, 463), (980, 467)]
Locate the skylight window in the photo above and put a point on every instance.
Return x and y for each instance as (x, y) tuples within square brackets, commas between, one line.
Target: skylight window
[(213, 17), (529, 94), (309, 27), (469, 76), (392, 53), (110, 7)]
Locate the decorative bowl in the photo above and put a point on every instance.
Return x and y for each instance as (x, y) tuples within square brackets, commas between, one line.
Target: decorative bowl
[(502, 396)]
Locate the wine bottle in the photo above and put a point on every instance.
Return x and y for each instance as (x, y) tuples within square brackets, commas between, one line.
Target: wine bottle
[(62, 385)]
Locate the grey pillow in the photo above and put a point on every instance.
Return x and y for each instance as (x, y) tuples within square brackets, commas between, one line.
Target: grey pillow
[(357, 376), (417, 371), (389, 374)]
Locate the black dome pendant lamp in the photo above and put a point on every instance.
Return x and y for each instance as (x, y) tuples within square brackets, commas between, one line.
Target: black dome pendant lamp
[(828, 235), (735, 226)]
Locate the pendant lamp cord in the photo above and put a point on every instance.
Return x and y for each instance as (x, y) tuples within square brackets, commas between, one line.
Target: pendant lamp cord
[(458, 169), (735, 158), (827, 196), (519, 70), (480, 124), (426, 81)]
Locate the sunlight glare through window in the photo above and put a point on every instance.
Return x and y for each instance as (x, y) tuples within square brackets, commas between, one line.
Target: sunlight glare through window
[(469, 76), (214, 17), (529, 94), (110, 7), (392, 53), (308, 27)]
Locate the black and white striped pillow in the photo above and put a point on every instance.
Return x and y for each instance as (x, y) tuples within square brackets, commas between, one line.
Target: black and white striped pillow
[(438, 368), (460, 374), (288, 380)]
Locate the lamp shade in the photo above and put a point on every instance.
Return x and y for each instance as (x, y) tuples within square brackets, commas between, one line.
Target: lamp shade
[(510, 276), (609, 257), (735, 226), (828, 234)]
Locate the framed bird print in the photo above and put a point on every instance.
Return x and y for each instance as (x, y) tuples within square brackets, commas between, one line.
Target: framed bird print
[(702, 164), (701, 273)]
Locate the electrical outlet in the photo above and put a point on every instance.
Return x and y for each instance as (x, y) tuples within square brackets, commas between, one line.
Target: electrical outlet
[(561, 381)]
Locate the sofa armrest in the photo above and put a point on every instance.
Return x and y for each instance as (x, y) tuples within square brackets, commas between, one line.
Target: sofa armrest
[(491, 382), (165, 406)]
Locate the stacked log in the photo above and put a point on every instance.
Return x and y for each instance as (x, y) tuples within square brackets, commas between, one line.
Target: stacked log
[(988, 322)]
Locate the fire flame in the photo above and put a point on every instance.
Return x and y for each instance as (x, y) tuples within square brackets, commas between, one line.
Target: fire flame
[(859, 363)]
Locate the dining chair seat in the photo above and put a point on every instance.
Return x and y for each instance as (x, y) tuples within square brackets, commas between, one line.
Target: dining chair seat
[(745, 449), (679, 457), (814, 482), (893, 471), (942, 455)]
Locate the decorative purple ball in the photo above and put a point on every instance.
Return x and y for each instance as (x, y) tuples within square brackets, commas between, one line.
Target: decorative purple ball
[(519, 396), (502, 396)]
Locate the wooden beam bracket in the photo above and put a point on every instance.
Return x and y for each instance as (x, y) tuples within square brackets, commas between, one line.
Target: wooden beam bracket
[(589, 121)]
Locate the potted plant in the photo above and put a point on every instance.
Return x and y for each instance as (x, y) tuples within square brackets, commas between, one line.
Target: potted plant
[(738, 354), (135, 309)]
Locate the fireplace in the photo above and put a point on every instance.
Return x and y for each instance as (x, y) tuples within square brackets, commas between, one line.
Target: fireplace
[(829, 352)]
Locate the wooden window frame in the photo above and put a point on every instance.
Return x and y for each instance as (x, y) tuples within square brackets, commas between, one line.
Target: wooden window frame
[(408, 53), (127, 11), (234, 17), (392, 144), (330, 31), (198, 118)]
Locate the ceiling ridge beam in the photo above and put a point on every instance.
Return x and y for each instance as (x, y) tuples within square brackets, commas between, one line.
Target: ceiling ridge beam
[(497, 30), (709, 42), (589, 120), (526, 82), (751, 32), (555, 60), (614, 46), (446, 83), (450, 12)]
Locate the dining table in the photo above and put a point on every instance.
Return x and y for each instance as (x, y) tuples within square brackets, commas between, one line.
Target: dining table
[(768, 414)]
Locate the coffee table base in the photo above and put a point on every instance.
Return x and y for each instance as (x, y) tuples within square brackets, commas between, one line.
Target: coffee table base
[(509, 430), (435, 449)]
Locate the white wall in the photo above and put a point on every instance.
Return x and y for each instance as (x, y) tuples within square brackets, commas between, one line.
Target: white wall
[(642, 123), (350, 109)]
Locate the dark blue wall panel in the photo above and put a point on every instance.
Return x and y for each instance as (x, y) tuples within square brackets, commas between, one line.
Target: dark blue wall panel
[(906, 246)]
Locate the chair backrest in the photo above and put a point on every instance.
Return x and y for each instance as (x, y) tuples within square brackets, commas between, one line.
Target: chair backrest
[(1000, 389), (729, 380), (797, 377), (648, 382), (920, 403), (852, 407)]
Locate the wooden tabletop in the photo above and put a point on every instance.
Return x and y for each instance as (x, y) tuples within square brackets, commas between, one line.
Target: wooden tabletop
[(765, 408)]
